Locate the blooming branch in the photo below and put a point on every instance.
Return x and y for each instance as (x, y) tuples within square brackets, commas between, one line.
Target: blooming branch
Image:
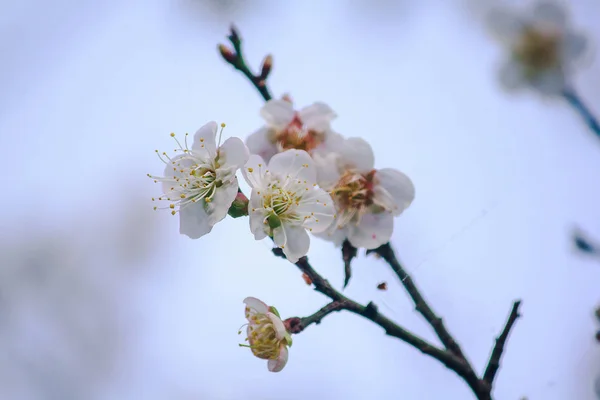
[(360, 189)]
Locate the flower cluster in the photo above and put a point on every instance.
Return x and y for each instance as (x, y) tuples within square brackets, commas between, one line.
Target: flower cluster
[(304, 179), (543, 48)]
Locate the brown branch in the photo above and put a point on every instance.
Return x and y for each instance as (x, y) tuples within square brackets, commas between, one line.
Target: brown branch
[(387, 253), (371, 313), (494, 363), (236, 59)]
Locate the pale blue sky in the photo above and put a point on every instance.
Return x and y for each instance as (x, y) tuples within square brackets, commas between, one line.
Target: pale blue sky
[(89, 91)]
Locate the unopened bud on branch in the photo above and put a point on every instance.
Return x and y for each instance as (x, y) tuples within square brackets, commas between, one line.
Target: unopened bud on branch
[(267, 65), (239, 207), (227, 54)]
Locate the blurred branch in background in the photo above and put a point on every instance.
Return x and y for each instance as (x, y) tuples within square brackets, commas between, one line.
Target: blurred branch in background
[(64, 303), (573, 98), (451, 355)]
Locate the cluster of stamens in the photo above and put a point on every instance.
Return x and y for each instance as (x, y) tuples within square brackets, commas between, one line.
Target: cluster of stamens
[(193, 179), (296, 136), (262, 336), (538, 49), (353, 195)]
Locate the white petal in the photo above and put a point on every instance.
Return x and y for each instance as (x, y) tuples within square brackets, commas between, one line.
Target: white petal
[(279, 236), (260, 143), (256, 215), (512, 76), (204, 141), (399, 186), (317, 116), (233, 153), (277, 113), (172, 170), (336, 236), (327, 165), (278, 364), (295, 164), (317, 205), (372, 231), (257, 305), (218, 208), (357, 153), (297, 242), (574, 46), (505, 24), (549, 83), (194, 221), (280, 330), (550, 12), (254, 171)]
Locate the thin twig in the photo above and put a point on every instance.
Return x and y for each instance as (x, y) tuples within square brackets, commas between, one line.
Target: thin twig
[(577, 103), (387, 253), (494, 363), (237, 60)]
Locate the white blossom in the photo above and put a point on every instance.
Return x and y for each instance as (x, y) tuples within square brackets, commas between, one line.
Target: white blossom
[(267, 337), (366, 199), (200, 183), (308, 129), (543, 48), (285, 201)]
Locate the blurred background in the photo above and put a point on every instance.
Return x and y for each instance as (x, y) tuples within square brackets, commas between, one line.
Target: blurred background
[(101, 298)]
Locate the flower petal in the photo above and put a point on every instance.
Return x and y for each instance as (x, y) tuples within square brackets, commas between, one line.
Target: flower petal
[(505, 24), (358, 154), (254, 171), (294, 164), (574, 46), (297, 242), (512, 75), (256, 305), (173, 169), (277, 113), (260, 143), (194, 221), (550, 12), (328, 172), (398, 186), (549, 83), (233, 153), (317, 209), (277, 364), (336, 236), (204, 140), (372, 231), (317, 116), (256, 215), (280, 330), (224, 196)]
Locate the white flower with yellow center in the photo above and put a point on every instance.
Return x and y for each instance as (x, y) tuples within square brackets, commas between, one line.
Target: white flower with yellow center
[(543, 48), (267, 337), (307, 129), (285, 201), (200, 183), (366, 199)]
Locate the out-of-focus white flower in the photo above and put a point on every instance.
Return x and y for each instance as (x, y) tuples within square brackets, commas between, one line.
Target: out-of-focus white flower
[(267, 337), (200, 183), (307, 129), (543, 48), (366, 199), (285, 201)]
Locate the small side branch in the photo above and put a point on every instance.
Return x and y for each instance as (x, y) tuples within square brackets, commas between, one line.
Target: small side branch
[(577, 103), (494, 363)]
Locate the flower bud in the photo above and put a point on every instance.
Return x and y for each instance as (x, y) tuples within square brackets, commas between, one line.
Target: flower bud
[(227, 54), (267, 65), (239, 207)]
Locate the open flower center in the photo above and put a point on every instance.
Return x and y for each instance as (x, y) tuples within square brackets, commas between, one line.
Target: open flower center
[(354, 190), (538, 49), (262, 337), (194, 178), (296, 136)]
